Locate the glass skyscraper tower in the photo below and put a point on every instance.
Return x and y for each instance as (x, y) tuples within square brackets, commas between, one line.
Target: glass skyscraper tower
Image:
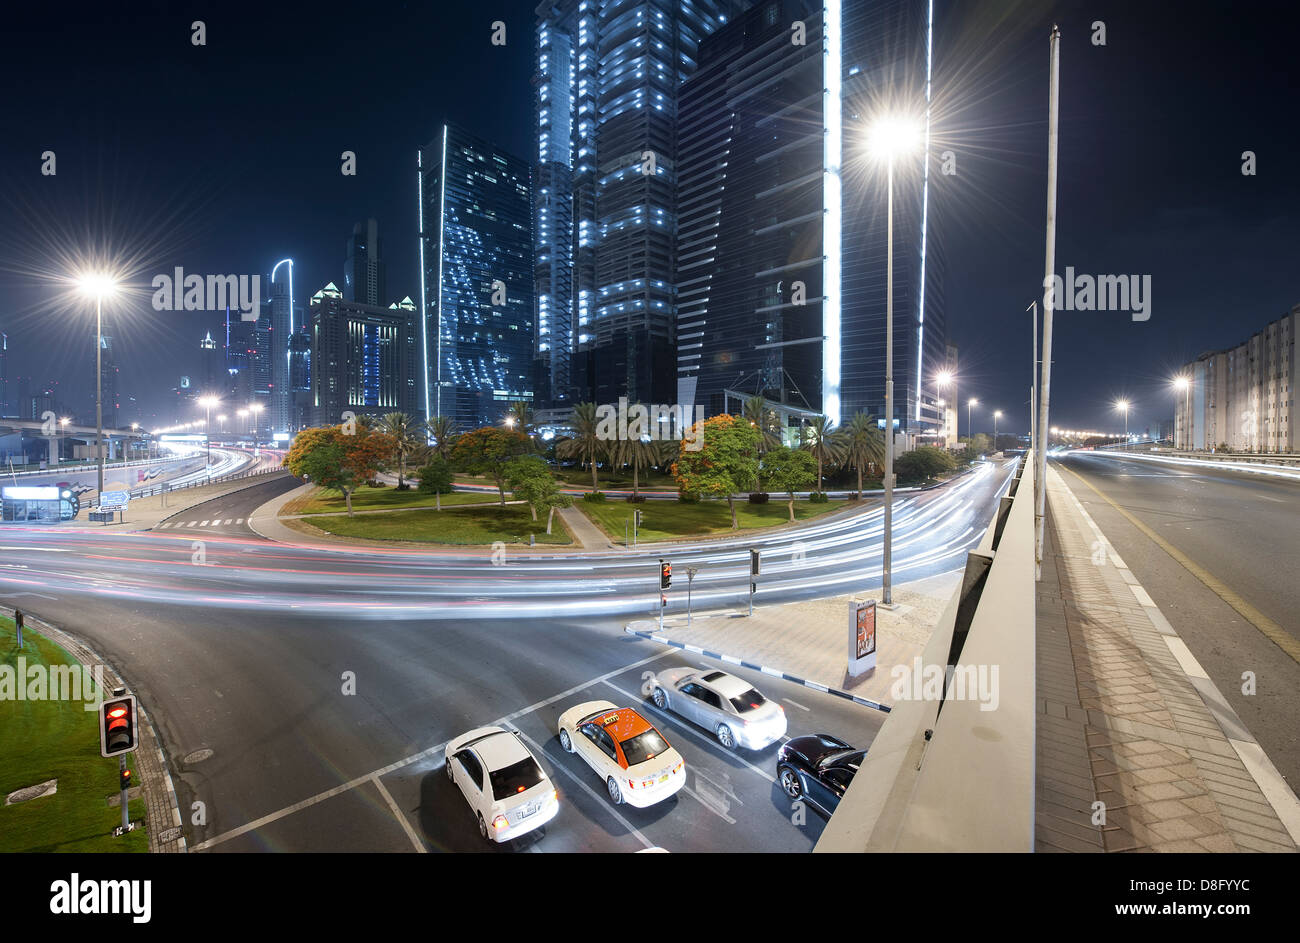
[(608, 75), (476, 279)]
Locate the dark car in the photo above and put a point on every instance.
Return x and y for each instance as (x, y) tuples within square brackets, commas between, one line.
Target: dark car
[(817, 769)]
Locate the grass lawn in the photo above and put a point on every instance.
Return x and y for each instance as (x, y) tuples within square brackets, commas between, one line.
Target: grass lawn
[(43, 740), (325, 501), (618, 481), (668, 520), (466, 524)]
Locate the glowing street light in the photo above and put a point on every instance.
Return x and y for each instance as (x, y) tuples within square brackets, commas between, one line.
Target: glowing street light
[(98, 285), (970, 433), (1123, 406), (889, 138), (997, 414), (207, 402)]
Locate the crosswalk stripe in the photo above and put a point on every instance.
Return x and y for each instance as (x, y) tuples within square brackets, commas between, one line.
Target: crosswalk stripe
[(239, 520), (193, 524), (204, 524)]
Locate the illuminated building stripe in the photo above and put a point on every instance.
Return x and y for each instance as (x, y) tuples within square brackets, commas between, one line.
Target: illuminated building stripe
[(832, 108)]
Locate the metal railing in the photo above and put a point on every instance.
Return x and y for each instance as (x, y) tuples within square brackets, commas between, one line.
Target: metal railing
[(955, 772), (168, 488)]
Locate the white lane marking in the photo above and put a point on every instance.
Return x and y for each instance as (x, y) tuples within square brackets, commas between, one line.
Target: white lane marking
[(239, 520), (1142, 595), (709, 804), (400, 816), (602, 800), (406, 761), (204, 524), (192, 524), (795, 703), (684, 724)]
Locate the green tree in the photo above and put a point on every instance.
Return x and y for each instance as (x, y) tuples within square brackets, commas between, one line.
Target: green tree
[(531, 481), (338, 461), (924, 462), (978, 443), (824, 442), (726, 463), (638, 454), (487, 451), (408, 438), (765, 420), (864, 445), (789, 470), (435, 478), (584, 444)]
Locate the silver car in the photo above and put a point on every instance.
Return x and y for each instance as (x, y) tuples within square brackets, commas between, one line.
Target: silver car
[(728, 707)]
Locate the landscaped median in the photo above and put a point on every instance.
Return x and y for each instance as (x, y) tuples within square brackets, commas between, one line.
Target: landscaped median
[(673, 520), (45, 738), (467, 518)]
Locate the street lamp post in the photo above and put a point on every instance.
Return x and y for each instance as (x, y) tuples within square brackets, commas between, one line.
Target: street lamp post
[(1122, 406), (997, 414), (1184, 385), (970, 433), (99, 285), (941, 382), (207, 403), (890, 138), (255, 408)]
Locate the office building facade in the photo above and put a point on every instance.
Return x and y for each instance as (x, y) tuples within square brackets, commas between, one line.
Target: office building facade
[(1243, 397), (781, 249), (607, 83), (476, 314), (365, 274), (363, 358)]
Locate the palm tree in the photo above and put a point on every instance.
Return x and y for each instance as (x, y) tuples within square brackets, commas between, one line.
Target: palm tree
[(583, 444), (442, 432), (864, 445), (825, 442), (764, 420), (408, 436), (638, 454), (520, 417)]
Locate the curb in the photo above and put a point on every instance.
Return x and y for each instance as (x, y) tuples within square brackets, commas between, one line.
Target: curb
[(784, 676), (150, 750)]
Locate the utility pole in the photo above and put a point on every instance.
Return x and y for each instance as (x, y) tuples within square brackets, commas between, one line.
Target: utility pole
[(1045, 394)]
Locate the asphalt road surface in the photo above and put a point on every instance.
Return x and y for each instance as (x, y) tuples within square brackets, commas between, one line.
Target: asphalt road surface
[(1242, 528), (250, 650)]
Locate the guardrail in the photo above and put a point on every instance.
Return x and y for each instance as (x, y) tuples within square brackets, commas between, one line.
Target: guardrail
[(952, 767), (1260, 458), (168, 488)]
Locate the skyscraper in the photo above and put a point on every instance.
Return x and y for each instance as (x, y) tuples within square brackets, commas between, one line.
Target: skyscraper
[(476, 261), (781, 257), (365, 275), (607, 82), (363, 358), (282, 325)]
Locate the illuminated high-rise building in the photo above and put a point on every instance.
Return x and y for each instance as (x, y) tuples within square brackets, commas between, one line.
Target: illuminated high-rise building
[(365, 275), (607, 81), (476, 262)]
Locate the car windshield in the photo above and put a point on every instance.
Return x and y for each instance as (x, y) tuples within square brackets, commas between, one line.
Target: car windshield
[(751, 700), (644, 746), (515, 778)]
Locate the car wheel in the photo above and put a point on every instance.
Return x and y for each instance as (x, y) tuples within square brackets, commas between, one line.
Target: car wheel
[(790, 784), (450, 775), (660, 699), (726, 737), (482, 827), (565, 743), (615, 794)]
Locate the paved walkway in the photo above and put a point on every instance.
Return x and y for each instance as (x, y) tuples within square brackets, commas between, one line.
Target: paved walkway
[(146, 513), (587, 534), (811, 639), (1136, 748)]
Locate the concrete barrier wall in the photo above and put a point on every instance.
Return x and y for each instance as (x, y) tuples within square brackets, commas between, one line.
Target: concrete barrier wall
[(952, 774)]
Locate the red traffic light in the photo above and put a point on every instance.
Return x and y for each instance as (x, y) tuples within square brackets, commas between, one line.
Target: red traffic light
[(117, 726), (665, 574)]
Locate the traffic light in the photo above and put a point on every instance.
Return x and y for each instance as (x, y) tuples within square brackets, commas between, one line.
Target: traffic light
[(117, 725), (753, 563), (637, 513), (124, 780), (665, 574)]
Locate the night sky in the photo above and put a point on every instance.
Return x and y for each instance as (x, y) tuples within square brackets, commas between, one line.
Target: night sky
[(225, 159)]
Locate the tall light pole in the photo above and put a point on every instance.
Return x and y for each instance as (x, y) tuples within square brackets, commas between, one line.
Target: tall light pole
[(255, 408), (1049, 300), (98, 286), (970, 433), (1183, 385), (891, 137), (207, 402), (997, 414), (1122, 405), (941, 382), (221, 424)]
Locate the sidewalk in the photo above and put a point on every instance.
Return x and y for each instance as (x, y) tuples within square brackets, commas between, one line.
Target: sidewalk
[(146, 513), (1136, 748), (810, 639)]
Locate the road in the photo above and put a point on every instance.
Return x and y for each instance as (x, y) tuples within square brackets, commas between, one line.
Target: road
[(248, 649), (1244, 530)]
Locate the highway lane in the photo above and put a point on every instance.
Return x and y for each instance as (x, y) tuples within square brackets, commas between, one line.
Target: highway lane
[(932, 532), (227, 515), (1242, 528), (252, 654)]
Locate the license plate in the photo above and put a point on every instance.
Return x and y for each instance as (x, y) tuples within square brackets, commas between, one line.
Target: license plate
[(527, 811)]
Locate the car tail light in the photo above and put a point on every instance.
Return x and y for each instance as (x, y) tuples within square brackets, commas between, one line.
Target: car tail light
[(678, 767), (499, 822), (521, 789), (631, 784), (555, 795)]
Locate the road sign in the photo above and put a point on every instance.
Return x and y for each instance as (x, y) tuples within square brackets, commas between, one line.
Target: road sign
[(114, 500)]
